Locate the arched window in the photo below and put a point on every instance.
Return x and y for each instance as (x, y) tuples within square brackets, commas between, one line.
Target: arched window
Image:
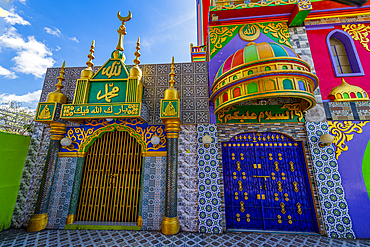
[(359, 95), (236, 92), (235, 77), (339, 96), (343, 54), (353, 95), (267, 68), (301, 85), (285, 67), (225, 97), (252, 87), (287, 84), (250, 72), (345, 96), (269, 85)]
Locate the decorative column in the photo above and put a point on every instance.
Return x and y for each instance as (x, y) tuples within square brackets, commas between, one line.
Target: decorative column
[(170, 116), (46, 113)]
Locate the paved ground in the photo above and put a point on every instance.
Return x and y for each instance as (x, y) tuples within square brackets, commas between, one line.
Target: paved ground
[(19, 237)]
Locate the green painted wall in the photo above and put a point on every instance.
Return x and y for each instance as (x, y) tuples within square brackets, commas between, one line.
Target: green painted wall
[(366, 168), (13, 152)]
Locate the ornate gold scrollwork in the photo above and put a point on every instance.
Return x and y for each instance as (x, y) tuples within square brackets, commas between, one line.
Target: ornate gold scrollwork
[(299, 210), (291, 166), (238, 166), (242, 156), (280, 189), (342, 131), (244, 177), (245, 196), (234, 173), (283, 176), (273, 176), (233, 156), (218, 35), (286, 197), (242, 207), (236, 196), (359, 32), (282, 205), (290, 219), (295, 186), (276, 196), (248, 218), (279, 219), (238, 219), (276, 166), (240, 185)]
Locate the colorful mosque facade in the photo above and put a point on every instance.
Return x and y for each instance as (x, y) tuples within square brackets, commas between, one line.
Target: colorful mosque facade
[(266, 129)]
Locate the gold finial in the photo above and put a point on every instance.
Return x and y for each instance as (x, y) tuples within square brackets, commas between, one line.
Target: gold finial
[(59, 85), (137, 53), (91, 55), (172, 74), (122, 29)]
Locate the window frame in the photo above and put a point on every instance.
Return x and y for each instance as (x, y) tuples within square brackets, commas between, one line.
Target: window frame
[(352, 55)]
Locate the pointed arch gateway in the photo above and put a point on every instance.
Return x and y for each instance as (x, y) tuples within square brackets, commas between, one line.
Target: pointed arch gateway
[(110, 185), (266, 184)]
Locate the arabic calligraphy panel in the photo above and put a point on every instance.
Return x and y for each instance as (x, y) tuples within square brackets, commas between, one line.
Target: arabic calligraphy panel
[(107, 92)]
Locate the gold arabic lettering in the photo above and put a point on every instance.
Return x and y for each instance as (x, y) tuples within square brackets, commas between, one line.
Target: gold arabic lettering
[(108, 95), (112, 70)]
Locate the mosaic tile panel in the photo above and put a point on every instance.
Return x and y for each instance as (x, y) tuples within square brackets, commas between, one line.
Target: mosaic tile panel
[(22, 238), (341, 111), (153, 192), (76, 185), (29, 165), (296, 130), (363, 109), (209, 193), (187, 183), (61, 192), (35, 181), (331, 193)]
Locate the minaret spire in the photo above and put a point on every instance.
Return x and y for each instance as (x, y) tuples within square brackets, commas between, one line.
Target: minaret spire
[(172, 74), (59, 85), (91, 56), (137, 53), (122, 29)]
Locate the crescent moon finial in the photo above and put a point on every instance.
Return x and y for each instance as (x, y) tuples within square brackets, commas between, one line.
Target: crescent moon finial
[(123, 19)]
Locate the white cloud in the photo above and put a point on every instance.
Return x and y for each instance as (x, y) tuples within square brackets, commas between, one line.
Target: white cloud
[(12, 18), (26, 98), (55, 32), (33, 57), (58, 48), (7, 73), (74, 39)]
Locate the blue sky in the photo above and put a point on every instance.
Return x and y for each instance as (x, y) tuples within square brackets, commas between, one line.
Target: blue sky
[(36, 35)]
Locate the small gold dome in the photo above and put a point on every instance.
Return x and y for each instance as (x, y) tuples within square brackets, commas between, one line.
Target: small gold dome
[(56, 97), (171, 93), (135, 71), (347, 92), (87, 73)]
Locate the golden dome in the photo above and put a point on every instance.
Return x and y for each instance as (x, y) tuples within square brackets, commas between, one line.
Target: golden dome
[(347, 92), (87, 73), (135, 71), (57, 97), (171, 93)]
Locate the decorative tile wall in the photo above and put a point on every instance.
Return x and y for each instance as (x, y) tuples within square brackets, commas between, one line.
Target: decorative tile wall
[(61, 192), (296, 130), (29, 165), (363, 110), (341, 111), (209, 195), (153, 192), (187, 183), (192, 83), (34, 184), (331, 193)]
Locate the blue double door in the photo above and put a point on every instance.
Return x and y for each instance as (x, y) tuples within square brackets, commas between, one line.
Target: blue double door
[(266, 184)]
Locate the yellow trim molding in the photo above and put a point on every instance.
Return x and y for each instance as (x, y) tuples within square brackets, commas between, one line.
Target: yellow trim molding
[(155, 154), (37, 223), (170, 226), (72, 154), (70, 219)]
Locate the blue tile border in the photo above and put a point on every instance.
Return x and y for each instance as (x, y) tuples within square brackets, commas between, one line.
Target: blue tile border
[(334, 206), (209, 193)]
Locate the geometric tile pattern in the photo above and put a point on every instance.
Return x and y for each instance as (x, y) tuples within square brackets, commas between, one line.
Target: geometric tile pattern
[(363, 110), (341, 111), (192, 84), (153, 192), (187, 183), (22, 238), (331, 193), (29, 165), (36, 177), (61, 192), (209, 195)]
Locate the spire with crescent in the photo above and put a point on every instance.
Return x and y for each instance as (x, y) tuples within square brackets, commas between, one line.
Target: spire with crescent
[(118, 53)]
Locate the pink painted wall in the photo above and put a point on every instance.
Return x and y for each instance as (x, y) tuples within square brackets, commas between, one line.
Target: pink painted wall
[(323, 66)]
